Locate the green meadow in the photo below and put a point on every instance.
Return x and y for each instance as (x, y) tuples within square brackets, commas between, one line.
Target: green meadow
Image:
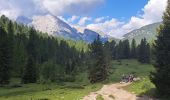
[(77, 90)]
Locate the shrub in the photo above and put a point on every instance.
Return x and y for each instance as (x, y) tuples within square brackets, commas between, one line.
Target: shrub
[(51, 71)]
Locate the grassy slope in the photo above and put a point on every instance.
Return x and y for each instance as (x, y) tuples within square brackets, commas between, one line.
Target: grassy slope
[(71, 92), (129, 66), (50, 92), (143, 87)]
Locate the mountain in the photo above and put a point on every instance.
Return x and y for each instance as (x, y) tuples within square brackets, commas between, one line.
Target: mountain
[(89, 36), (54, 26), (57, 27), (149, 32), (23, 20)]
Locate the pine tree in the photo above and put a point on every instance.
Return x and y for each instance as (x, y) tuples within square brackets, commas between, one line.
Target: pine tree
[(126, 49), (133, 49), (98, 71), (112, 47), (161, 77), (4, 58), (10, 32), (144, 52), (19, 55), (119, 50), (30, 72), (148, 53)]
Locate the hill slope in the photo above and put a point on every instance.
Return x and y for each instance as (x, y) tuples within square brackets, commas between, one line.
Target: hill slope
[(149, 32)]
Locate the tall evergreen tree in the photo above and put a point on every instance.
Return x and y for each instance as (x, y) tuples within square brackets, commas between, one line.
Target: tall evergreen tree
[(144, 52), (148, 53), (30, 72), (126, 49), (133, 49), (99, 69), (161, 77), (10, 32), (119, 50), (4, 57), (112, 47)]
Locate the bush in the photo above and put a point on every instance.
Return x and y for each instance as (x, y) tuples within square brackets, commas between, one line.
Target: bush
[(51, 71), (69, 78)]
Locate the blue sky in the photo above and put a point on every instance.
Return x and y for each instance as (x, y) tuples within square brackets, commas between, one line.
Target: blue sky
[(120, 8), (111, 17)]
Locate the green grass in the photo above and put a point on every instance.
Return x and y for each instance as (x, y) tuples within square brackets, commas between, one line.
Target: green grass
[(49, 92), (77, 90), (128, 67), (142, 87)]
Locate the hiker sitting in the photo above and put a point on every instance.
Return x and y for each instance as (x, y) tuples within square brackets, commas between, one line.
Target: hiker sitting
[(125, 79), (131, 77)]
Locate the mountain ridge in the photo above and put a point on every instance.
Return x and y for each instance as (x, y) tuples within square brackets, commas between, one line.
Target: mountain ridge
[(56, 27)]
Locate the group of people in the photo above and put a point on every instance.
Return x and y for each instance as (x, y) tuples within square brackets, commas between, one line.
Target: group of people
[(127, 78)]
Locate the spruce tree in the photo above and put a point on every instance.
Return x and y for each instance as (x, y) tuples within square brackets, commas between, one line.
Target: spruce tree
[(161, 77), (133, 49), (4, 57), (11, 42), (148, 53), (119, 50), (112, 47), (98, 71), (126, 49), (30, 71), (144, 52)]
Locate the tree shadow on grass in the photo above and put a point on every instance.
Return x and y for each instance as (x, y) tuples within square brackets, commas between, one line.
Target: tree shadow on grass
[(152, 94), (19, 92), (148, 95)]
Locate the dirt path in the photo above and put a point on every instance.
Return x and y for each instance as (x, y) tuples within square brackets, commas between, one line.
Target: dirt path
[(114, 92)]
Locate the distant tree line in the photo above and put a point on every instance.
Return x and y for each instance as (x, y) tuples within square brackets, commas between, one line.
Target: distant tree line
[(126, 50)]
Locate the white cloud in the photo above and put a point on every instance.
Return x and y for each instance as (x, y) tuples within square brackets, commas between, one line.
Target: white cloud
[(98, 20), (30, 8), (15, 8), (59, 7), (8, 9), (107, 26), (73, 19), (13, 14), (152, 12), (83, 20)]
